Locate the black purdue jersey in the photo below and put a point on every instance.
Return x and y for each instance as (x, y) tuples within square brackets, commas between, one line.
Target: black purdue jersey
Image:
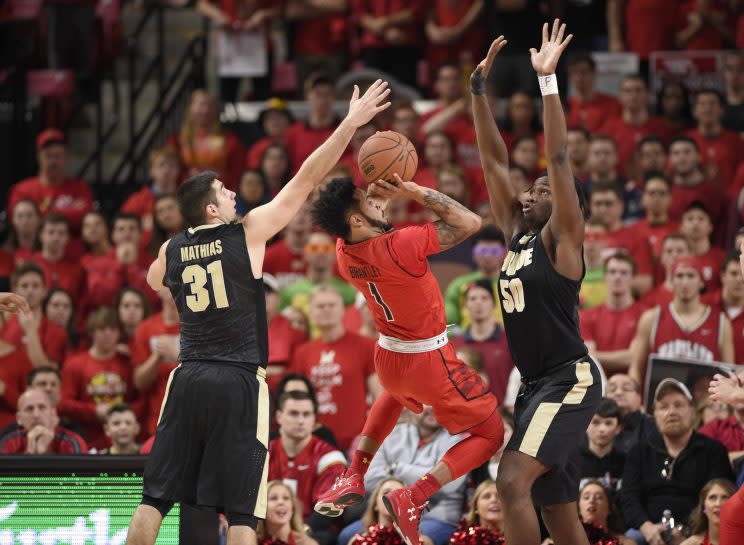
[(221, 306), (540, 308)]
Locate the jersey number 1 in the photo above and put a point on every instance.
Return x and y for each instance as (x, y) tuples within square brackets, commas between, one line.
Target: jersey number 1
[(196, 277), (376, 294), (512, 292)]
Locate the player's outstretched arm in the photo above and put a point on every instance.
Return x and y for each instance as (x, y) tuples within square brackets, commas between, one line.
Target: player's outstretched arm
[(457, 222), (493, 152), (640, 346), (264, 222), (567, 220)]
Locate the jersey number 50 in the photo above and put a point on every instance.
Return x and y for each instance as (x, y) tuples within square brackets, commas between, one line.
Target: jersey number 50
[(196, 277), (512, 292)]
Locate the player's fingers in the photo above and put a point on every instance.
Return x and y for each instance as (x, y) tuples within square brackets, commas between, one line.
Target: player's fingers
[(554, 30), (533, 51), (561, 32), (383, 85), (567, 41), (382, 107), (371, 89), (545, 32), (355, 93)]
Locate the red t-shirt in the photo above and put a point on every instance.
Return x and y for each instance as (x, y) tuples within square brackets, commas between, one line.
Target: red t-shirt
[(283, 341), (659, 296), (610, 329), (392, 272), (87, 381), (63, 274), (624, 240), (302, 140), (142, 203), (708, 193), (64, 442), (310, 473), (283, 263), (710, 263), (654, 233), (627, 137), (592, 114), (700, 343), (256, 151), (448, 14), (497, 362), (321, 35), (104, 278), (14, 369), (339, 372), (72, 198), (707, 38), (727, 431), (374, 8), (142, 346), (722, 153), (52, 336), (649, 26)]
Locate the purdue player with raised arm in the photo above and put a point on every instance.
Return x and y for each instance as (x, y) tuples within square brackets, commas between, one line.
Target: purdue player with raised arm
[(211, 443), (539, 292)]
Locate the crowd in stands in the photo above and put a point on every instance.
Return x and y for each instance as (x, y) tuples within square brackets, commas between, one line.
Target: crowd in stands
[(87, 371)]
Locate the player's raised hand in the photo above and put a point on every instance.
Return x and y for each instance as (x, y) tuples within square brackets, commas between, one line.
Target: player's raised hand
[(372, 102), (480, 74), (13, 303), (545, 60), (393, 189)]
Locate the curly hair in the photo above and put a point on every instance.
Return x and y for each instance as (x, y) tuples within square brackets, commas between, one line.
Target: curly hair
[(331, 210)]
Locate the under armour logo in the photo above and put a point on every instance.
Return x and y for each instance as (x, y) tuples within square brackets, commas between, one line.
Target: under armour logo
[(412, 514), (365, 460)]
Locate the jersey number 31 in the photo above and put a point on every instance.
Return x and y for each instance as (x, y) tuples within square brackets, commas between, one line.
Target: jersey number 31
[(512, 292), (196, 277)]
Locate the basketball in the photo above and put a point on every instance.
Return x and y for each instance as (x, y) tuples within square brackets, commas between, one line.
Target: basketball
[(386, 153)]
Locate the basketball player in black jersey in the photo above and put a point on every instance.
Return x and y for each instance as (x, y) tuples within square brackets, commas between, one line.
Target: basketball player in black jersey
[(539, 292), (211, 442)]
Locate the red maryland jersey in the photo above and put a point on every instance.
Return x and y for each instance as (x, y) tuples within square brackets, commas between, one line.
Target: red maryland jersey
[(392, 272), (702, 342)]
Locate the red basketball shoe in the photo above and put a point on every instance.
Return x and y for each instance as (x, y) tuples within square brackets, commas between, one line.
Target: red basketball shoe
[(347, 490), (406, 515)]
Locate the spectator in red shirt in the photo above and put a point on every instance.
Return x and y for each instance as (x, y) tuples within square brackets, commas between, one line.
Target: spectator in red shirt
[(95, 236), (731, 301), (283, 338), (43, 341), (577, 146), (633, 123), (406, 121), (285, 258), (733, 78), (454, 31), (673, 247), (94, 381), (673, 107), (203, 144), (321, 36), (275, 167), (586, 107), (59, 269), (132, 307), (155, 350), (641, 26), (696, 227), (14, 368), (391, 35), (438, 151), (167, 222), (655, 225), (690, 183), (126, 234), (59, 308), (729, 432), (39, 433), (608, 329), (606, 204), (652, 154), (24, 231), (52, 191), (721, 149), (300, 457), (602, 164), (702, 26), (452, 110), (164, 170), (122, 428), (303, 137), (340, 364), (274, 122), (486, 336)]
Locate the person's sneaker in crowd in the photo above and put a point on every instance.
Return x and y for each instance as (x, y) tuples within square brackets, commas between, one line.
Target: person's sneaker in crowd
[(347, 490), (406, 514)]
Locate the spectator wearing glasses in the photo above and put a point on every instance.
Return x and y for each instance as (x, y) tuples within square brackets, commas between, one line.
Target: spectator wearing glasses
[(667, 471), (626, 392)]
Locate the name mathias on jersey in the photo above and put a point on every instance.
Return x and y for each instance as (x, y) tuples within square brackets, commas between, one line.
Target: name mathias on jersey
[(200, 251)]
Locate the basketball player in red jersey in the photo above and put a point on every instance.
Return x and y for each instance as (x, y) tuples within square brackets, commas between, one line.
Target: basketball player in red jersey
[(414, 361), (686, 328)]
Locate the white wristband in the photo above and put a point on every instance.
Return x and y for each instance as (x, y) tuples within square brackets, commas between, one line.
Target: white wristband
[(548, 84)]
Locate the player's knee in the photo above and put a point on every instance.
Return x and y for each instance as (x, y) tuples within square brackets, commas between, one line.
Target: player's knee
[(511, 485), (491, 429), (162, 506), (241, 519)]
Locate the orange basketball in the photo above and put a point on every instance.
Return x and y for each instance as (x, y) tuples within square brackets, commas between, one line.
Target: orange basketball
[(386, 153)]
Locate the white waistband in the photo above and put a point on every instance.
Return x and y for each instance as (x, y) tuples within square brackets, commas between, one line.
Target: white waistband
[(413, 347)]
